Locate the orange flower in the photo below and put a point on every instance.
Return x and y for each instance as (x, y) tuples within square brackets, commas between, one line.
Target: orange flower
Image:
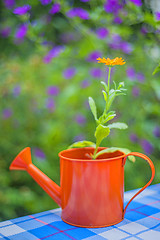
[(111, 62)]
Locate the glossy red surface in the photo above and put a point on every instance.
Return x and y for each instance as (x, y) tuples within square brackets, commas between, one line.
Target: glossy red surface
[(91, 192), (92, 189), (23, 162)]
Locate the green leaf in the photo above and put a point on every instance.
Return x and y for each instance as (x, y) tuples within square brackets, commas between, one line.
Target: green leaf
[(102, 118), (93, 107), (111, 113), (105, 95), (114, 84), (118, 125), (114, 149), (156, 70), (105, 86), (121, 84), (112, 95), (112, 91), (123, 89), (100, 133), (110, 117), (107, 117), (120, 94), (82, 144)]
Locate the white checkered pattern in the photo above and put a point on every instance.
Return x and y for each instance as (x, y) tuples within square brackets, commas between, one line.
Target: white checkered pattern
[(142, 221)]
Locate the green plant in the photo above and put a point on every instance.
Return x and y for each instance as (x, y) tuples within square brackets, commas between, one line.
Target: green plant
[(102, 131)]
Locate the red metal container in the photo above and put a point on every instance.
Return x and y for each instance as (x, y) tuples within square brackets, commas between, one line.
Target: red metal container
[(91, 192)]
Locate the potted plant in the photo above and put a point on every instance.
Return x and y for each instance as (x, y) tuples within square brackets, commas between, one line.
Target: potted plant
[(92, 177)]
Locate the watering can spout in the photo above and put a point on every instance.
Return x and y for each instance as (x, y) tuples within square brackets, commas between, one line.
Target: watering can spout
[(23, 162)]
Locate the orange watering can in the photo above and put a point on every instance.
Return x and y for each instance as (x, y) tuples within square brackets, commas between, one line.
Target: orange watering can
[(91, 192)]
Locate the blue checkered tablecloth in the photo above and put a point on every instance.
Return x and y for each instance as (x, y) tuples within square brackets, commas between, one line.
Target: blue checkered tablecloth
[(142, 221)]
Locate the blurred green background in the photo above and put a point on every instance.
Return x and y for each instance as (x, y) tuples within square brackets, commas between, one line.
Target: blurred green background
[(48, 69)]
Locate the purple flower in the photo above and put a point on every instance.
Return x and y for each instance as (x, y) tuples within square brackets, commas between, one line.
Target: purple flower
[(112, 6), (84, 0), (92, 57), (78, 12), (131, 73), (133, 138), (55, 8), (9, 3), (72, 13), (156, 131), (50, 104), (135, 91), (54, 52), (21, 31), (45, 2), (39, 153), (22, 10), (80, 119), (83, 14), (53, 90), (102, 32), (147, 146), (96, 72), (118, 44), (16, 90), (158, 16), (140, 77), (137, 2), (7, 113), (116, 38), (79, 138), (157, 31), (5, 32), (126, 47), (117, 20), (69, 73), (85, 83)]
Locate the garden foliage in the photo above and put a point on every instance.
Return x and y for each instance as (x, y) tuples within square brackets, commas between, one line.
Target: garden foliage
[(48, 70)]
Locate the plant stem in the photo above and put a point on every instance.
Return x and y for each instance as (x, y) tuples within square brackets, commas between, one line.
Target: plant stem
[(95, 151), (105, 111), (109, 75)]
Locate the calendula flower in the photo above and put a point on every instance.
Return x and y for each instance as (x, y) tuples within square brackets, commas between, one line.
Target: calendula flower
[(111, 62)]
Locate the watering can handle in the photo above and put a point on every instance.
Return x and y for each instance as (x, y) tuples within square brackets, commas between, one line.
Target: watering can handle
[(151, 179)]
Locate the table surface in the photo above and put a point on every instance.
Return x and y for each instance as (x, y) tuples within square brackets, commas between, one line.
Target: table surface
[(142, 221)]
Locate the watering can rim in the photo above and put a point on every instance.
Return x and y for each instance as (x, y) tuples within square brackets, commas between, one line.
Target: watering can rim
[(90, 160)]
